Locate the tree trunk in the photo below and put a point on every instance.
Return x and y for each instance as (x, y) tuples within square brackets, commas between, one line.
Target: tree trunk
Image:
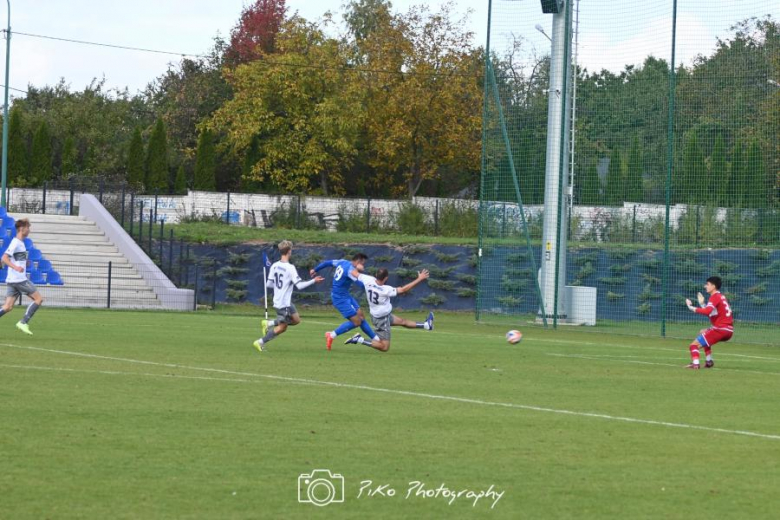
[(324, 182)]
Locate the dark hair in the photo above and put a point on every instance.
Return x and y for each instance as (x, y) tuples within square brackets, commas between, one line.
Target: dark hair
[(382, 274), (716, 281), (359, 256), (22, 223)]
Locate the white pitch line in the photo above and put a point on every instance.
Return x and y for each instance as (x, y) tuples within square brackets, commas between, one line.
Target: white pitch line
[(683, 349), (408, 393), (621, 360)]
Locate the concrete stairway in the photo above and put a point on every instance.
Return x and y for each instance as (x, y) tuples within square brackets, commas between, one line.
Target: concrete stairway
[(80, 252)]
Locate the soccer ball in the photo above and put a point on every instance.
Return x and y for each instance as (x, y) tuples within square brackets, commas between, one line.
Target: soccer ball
[(514, 336)]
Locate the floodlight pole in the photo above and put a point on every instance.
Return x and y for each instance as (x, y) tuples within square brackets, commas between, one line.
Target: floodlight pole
[(553, 266), (5, 108)]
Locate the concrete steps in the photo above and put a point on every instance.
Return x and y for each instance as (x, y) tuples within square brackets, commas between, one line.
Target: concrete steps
[(80, 252)]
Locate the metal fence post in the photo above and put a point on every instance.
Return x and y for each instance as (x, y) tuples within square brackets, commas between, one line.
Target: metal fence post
[(698, 217), (633, 226), (132, 212), (227, 213), (162, 237), (503, 221), (70, 207), (156, 196), (197, 273), (45, 185), (214, 288), (108, 300), (298, 213), (100, 196), (123, 206), (187, 270), (141, 223), (170, 257), (436, 218), (368, 215), (181, 264), (151, 223)]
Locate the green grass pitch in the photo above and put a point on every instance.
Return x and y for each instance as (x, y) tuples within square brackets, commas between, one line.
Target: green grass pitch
[(162, 415)]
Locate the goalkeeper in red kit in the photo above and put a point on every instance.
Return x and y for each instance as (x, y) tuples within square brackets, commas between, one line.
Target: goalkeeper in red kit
[(719, 312)]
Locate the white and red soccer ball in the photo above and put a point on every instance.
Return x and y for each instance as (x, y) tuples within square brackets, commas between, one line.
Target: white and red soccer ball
[(514, 336)]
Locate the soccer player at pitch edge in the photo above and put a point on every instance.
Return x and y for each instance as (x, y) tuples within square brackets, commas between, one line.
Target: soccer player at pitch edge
[(282, 277), (15, 257), (719, 312), (379, 294), (342, 300)]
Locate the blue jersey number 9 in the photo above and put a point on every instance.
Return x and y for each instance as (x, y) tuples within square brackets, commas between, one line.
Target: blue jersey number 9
[(339, 273)]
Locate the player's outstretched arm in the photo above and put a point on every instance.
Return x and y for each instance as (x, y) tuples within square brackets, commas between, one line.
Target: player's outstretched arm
[(323, 265), (303, 285), (421, 276)]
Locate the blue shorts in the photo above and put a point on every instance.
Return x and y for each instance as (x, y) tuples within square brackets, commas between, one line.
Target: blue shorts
[(347, 306)]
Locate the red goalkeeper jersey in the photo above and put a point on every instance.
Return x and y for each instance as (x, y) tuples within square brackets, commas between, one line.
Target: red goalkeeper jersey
[(719, 312)]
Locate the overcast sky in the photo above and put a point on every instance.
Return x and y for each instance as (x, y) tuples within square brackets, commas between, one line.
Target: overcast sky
[(612, 33)]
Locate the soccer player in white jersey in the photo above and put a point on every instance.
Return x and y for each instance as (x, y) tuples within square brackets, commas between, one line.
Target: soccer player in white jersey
[(282, 278), (15, 257), (379, 294)]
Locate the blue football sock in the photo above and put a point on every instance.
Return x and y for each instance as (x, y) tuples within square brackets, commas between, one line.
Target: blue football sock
[(366, 328), (344, 328)]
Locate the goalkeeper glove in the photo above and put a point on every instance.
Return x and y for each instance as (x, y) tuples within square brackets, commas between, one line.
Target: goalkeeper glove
[(700, 297)]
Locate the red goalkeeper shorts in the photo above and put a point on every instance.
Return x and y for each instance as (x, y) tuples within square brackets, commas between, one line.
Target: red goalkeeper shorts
[(711, 336)]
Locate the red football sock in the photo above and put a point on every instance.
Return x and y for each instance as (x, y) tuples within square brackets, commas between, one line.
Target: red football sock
[(694, 353), (708, 353)]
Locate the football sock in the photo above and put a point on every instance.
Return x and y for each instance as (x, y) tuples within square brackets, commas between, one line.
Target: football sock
[(2, 312), (708, 353), (366, 328), (343, 328), (272, 323), (30, 311), (423, 325), (271, 334), (694, 353)]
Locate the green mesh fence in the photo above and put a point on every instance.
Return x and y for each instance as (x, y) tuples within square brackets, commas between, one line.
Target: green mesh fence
[(661, 197)]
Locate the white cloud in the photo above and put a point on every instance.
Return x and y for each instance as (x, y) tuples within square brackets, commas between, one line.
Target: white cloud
[(613, 50)]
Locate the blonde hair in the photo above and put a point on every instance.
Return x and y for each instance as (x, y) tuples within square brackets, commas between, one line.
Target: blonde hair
[(284, 247)]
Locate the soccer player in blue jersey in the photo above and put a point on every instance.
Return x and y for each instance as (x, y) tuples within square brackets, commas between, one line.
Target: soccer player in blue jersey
[(342, 300)]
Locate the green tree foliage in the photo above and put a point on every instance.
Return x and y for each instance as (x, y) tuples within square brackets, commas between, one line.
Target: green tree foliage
[(718, 175), (307, 117), (99, 121), (70, 156), (180, 185), (156, 165), (419, 123), (185, 96), (693, 177), (589, 187), (18, 151), (135, 160), (206, 162), (615, 188), (41, 156), (634, 174), (758, 184), (735, 191)]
